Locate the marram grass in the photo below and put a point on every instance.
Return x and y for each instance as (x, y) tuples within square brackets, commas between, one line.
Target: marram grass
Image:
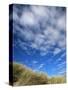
[(25, 76)]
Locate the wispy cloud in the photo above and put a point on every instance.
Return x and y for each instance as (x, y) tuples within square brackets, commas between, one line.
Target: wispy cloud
[(34, 62), (57, 50), (40, 66)]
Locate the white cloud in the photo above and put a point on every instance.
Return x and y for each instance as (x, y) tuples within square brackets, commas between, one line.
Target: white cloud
[(39, 39), (34, 45), (59, 67), (41, 65), (15, 16), (61, 22), (61, 64), (22, 45), (40, 11), (64, 54), (35, 62), (62, 42), (56, 51), (62, 72), (52, 35), (27, 18), (59, 59), (27, 34)]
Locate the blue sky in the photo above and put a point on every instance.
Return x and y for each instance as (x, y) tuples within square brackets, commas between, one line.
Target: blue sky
[(39, 37)]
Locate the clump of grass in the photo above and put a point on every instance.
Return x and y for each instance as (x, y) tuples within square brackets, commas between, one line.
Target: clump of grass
[(25, 76), (17, 71), (57, 80), (38, 78)]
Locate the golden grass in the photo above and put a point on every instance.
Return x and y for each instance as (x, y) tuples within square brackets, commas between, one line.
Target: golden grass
[(25, 76)]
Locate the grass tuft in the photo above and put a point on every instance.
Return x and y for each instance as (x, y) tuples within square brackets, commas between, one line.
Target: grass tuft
[(25, 76)]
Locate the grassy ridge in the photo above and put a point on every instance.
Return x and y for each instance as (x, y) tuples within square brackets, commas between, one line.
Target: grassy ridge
[(24, 76)]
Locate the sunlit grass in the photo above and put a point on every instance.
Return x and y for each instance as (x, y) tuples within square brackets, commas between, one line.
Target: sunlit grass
[(25, 76)]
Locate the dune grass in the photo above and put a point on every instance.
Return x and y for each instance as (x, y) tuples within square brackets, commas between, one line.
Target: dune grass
[(25, 76)]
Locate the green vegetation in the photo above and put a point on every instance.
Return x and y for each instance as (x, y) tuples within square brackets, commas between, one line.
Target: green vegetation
[(24, 76)]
